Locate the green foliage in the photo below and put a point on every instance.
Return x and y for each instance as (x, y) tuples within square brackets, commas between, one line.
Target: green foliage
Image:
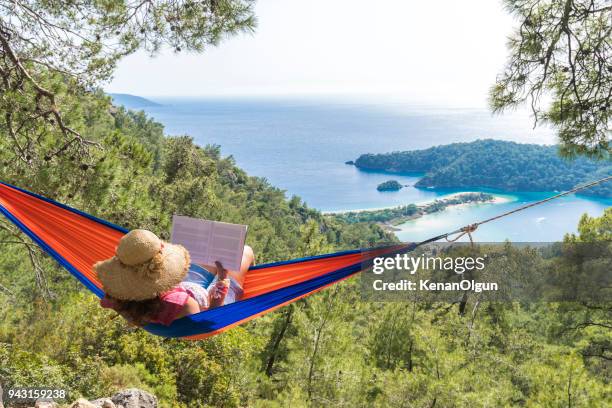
[(594, 229), (587, 324), (55, 54), (382, 215), (493, 164), (560, 52), (139, 178)]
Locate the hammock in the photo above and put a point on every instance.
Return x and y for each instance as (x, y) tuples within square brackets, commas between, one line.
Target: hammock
[(78, 240)]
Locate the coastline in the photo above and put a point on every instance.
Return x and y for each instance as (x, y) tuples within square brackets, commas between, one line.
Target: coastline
[(497, 199), (391, 217), (355, 189)]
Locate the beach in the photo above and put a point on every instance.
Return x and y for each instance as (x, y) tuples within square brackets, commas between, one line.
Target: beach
[(497, 199)]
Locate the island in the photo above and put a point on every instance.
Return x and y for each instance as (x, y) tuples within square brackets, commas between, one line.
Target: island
[(494, 164), (390, 185), (388, 218)]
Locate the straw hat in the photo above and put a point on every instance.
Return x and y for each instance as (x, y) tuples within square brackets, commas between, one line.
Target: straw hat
[(143, 267)]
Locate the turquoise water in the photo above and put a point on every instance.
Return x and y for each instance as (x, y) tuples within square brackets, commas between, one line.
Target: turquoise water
[(300, 145), (545, 223)]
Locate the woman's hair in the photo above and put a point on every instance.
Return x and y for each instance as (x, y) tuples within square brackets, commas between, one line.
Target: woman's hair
[(138, 312)]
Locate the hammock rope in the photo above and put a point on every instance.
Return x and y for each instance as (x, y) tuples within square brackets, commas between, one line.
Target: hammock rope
[(55, 227), (469, 229)]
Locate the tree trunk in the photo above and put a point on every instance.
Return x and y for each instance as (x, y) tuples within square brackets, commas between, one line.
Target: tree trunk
[(319, 331), (463, 304), (409, 365), (278, 339)]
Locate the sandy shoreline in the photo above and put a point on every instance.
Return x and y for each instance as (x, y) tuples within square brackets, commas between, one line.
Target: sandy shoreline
[(497, 199)]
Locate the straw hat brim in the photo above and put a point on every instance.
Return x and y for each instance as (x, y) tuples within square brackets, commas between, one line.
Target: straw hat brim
[(145, 281)]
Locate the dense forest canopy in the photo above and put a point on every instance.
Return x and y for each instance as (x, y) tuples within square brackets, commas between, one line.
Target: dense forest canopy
[(60, 137), (330, 349), (139, 179), (493, 164)]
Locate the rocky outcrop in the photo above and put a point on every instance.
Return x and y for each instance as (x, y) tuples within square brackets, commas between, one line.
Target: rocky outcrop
[(104, 403), (134, 398), (45, 404), (82, 403)]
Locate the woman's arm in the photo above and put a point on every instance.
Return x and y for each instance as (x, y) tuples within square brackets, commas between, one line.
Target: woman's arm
[(248, 260), (191, 307)]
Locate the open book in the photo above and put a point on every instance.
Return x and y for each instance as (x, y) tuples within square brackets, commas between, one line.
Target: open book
[(210, 241)]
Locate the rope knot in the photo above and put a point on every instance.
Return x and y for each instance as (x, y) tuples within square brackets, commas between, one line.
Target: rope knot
[(468, 229)]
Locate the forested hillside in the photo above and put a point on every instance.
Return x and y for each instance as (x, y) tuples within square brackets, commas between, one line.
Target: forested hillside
[(60, 137), (494, 164), (137, 177), (331, 349)]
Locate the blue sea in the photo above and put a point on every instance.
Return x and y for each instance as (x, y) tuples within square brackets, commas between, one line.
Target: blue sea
[(301, 144)]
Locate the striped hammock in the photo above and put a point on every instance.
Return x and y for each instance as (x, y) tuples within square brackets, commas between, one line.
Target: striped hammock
[(78, 240)]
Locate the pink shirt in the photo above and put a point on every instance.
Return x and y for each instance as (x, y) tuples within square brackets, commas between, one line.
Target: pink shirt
[(174, 300), (172, 304)]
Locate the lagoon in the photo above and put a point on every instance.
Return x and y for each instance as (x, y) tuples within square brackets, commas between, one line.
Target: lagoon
[(300, 145)]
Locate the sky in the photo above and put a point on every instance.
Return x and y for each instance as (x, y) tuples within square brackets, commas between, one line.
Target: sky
[(444, 51)]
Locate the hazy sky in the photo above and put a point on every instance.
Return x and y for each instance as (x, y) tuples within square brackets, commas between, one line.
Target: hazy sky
[(443, 50)]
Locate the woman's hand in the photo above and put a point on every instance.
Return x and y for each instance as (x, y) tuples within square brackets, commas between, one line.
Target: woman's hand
[(219, 290)]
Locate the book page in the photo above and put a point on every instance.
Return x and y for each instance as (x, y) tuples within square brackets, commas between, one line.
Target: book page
[(210, 241)]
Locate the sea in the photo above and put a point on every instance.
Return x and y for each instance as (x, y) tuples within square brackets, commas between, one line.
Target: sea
[(301, 144)]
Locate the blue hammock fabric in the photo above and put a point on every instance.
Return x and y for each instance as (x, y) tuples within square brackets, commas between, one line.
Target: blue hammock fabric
[(77, 240)]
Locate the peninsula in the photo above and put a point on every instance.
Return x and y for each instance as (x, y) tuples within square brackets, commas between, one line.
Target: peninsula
[(494, 164), (388, 218), (132, 101)]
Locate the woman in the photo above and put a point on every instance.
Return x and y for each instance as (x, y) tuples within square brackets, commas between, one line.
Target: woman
[(143, 282)]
